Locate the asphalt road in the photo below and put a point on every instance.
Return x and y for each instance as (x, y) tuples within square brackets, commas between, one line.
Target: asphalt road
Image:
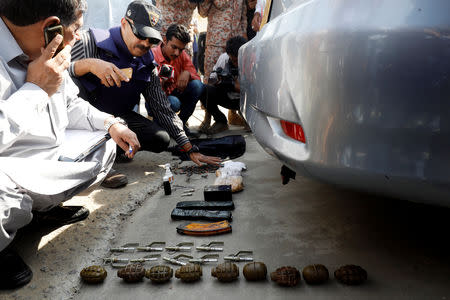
[(403, 246)]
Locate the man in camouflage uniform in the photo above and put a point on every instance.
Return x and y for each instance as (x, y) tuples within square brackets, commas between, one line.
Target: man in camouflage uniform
[(175, 12), (226, 19)]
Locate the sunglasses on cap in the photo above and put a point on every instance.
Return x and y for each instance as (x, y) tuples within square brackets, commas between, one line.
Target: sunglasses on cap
[(152, 41)]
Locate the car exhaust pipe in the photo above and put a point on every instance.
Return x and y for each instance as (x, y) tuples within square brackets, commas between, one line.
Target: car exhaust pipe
[(286, 174)]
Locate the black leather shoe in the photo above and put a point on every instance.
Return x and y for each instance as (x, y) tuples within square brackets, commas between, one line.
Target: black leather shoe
[(14, 272), (61, 215)]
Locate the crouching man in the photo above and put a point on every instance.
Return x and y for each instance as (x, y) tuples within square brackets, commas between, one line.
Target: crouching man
[(223, 87), (39, 111)]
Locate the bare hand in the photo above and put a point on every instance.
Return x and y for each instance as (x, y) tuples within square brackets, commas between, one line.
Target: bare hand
[(183, 80), (199, 158), (47, 71), (256, 22), (125, 138), (251, 4), (108, 73)]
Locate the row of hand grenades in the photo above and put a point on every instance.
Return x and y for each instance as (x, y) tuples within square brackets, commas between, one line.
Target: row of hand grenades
[(227, 272)]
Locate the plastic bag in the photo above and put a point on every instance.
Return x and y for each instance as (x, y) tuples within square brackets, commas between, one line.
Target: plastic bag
[(236, 182), (230, 174)]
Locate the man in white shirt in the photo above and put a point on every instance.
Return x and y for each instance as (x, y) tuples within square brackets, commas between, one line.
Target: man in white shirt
[(39, 108), (223, 87)]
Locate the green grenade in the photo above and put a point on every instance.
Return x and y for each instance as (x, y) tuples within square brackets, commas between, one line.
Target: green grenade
[(93, 274), (286, 276), (189, 273), (255, 271), (132, 273), (350, 275), (225, 272), (315, 274), (159, 274)]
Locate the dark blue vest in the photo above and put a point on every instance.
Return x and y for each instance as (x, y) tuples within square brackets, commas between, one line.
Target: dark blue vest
[(112, 48)]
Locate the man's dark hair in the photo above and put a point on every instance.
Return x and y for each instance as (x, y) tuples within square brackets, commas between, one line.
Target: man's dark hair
[(179, 32), (28, 12), (233, 45)]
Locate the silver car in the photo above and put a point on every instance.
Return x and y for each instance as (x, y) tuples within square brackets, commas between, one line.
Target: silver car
[(355, 93)]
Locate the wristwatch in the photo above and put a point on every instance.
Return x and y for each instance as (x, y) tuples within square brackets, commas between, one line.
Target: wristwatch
[(194, 149), (114, 121)]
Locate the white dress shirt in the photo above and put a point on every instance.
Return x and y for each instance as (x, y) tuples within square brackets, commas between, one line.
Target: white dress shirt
[(33, 126), (31, 123)]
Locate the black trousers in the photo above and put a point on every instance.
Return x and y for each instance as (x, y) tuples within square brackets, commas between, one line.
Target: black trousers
[(151, 136), (215, 96)]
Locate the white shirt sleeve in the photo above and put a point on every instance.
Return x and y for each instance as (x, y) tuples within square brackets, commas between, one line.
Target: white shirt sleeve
[(260, 5), (18, 112), (221, 62), (81, 114)]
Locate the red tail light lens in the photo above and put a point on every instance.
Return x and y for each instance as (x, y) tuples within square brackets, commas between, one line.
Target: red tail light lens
[(293, 130)]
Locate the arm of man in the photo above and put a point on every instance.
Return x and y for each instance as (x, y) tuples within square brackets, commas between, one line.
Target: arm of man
[(20, 109), (82, 115), (170, 121), (85, 60), (189, 73), (259, 12), (221, 62)]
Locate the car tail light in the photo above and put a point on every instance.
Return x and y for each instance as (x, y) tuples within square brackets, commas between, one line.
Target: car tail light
[(293, 130)]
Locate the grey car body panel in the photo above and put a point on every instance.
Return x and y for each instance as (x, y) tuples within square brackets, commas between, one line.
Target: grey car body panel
[(369, 81)]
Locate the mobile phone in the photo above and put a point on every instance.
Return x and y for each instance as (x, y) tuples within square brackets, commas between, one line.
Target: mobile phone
[(50, 33)]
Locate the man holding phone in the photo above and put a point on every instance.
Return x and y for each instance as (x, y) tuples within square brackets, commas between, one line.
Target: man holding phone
[(100, 57), (38, 107)]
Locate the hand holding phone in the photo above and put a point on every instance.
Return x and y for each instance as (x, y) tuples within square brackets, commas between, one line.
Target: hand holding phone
[(51, 32), (46, 71)]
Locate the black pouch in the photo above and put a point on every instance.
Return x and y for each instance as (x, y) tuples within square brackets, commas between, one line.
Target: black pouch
[(217, 193), (211, 205), (231, 146), (192, 214)]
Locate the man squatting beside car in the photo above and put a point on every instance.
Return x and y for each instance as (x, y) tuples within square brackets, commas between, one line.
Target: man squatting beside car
[(223, 88), (98, 58), (39, 108)]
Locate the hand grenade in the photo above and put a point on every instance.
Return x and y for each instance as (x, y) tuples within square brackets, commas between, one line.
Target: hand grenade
[(132, 273), (189, 272), (225, 272), (159, 274), (351, 275), (93, 274), (286, 276), (315, 274), (255, 271)]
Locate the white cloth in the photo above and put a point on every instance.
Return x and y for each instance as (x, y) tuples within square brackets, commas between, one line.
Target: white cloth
[(32, 130)]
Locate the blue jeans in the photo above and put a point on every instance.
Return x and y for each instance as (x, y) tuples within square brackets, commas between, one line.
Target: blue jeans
[(185, 102)]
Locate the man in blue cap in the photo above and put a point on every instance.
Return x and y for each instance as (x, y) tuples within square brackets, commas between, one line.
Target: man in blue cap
[(101, 61)]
